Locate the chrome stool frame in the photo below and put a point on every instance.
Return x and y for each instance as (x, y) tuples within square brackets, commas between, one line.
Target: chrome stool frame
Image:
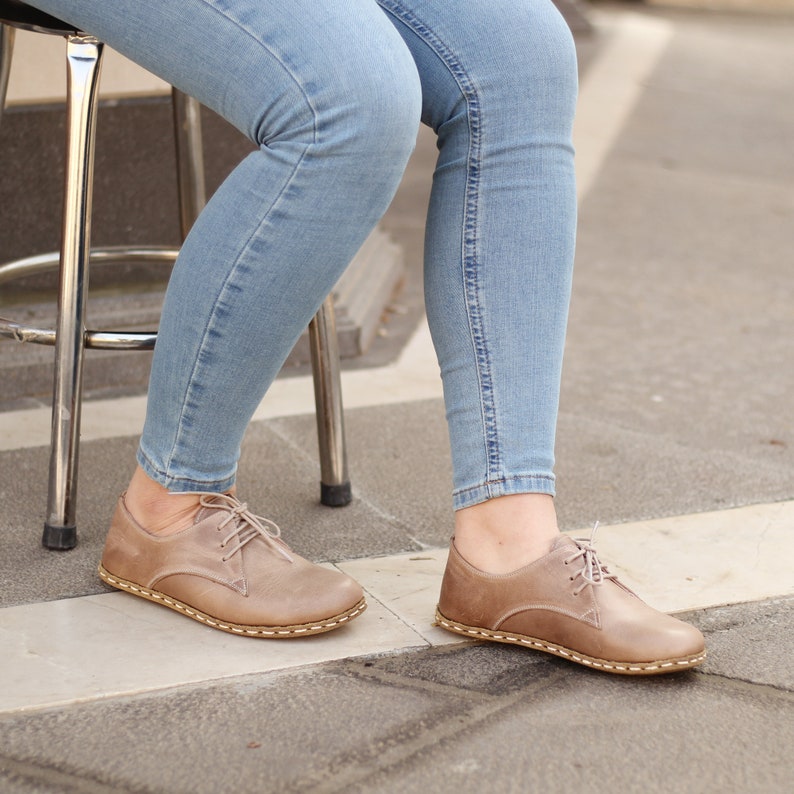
[(70, 337)]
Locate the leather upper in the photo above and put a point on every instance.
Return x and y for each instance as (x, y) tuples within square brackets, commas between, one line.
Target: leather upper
[(254, 585), (548, 600)]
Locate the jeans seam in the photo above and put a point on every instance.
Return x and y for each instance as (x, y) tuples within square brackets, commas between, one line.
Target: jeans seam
[(471, 282), (168, 480), (222, 293), (501, 480), (527, 483)]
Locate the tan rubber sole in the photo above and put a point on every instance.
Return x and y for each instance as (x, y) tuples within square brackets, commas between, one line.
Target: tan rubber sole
[(271, 632), (621, 668)]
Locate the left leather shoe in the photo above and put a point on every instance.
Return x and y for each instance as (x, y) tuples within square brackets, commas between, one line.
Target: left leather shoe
[(567, 603), (230, 570)]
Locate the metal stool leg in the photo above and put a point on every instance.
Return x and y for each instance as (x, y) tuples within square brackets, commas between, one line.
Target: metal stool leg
[(335, 490), (83, 58), (189, 158)]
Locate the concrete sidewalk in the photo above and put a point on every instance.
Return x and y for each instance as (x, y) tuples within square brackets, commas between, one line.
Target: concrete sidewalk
[(676, 432)]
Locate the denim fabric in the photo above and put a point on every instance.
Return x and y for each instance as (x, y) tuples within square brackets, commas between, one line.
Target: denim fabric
[(331, 92)]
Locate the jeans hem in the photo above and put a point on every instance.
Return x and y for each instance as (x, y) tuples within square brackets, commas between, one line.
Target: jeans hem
[(178, 484), (529, 483)]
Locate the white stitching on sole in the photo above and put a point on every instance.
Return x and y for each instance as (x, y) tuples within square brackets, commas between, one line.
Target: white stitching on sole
[(567, 653), (337, 620)]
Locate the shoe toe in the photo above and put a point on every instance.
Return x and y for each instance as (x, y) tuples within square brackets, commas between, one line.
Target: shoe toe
[(683, 640), (340, 593)]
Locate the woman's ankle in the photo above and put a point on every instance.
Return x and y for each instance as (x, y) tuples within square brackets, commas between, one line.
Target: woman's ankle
[(506, 533), (156, 509)]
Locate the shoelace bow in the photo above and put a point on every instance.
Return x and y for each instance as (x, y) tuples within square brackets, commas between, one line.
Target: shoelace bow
[(245, 525), (593, 571)]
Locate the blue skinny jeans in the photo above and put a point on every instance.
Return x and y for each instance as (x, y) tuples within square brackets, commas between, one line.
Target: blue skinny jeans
[(332, 92)]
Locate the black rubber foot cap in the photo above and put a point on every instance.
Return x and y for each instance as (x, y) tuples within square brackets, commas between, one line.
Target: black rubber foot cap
[(59, 538), (336, 495)]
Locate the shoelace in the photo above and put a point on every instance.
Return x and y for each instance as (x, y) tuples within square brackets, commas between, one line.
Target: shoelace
[(246, 525), (593, 571)]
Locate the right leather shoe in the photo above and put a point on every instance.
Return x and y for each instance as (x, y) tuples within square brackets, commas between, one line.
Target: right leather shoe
[(229, 570), (567, 603)]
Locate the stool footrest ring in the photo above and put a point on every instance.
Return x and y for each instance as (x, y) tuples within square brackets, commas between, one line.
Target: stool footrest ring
[(95, 340)]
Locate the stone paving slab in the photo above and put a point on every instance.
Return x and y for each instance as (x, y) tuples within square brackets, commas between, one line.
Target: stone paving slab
[(253, 735), (450, 719), (751, 642), (612, 735)]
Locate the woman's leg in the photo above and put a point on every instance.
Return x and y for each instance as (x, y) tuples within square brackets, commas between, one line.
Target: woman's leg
[(330, 95), (499, 86)]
